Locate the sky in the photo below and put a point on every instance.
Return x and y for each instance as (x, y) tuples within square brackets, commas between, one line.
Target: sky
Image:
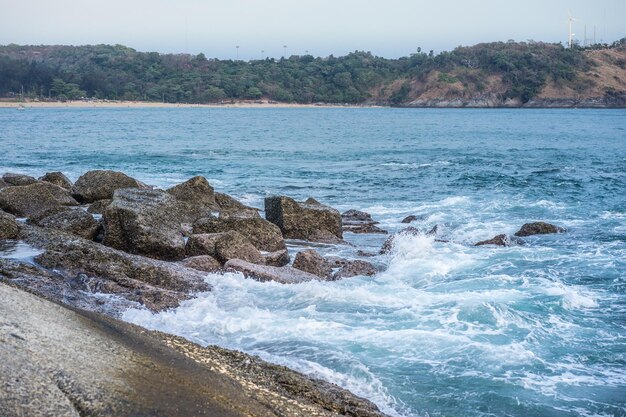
[(261, 28)]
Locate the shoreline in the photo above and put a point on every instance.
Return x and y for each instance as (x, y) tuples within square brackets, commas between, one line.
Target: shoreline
[(103, 104), (106, 104)]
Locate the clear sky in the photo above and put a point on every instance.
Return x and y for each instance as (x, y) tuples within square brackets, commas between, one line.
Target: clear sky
[(389, 28)]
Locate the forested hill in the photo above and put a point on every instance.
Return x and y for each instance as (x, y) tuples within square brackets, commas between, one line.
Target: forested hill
[(484, 75)]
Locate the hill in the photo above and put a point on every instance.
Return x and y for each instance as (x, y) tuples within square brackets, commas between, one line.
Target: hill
[(485, 75)]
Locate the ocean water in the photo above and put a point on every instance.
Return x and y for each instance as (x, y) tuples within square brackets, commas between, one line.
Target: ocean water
[(447, 329)]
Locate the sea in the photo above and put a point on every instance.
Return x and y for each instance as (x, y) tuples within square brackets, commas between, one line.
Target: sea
[(445, 328)]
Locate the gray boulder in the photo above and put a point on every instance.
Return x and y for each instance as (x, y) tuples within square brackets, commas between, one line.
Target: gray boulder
[(147, 222), (101, 184), (538, 228), (410, 219), (276, 258), (224, 246), (9, 228), (264, 235), (356, 221), (233, 245), (196, 191), (98, 207), (72, 256), (57, 178), (309, 220), (312, 262), (388, 244), (499, 240), (75, 221), (229, 205), (203, 263), (30, 200), (348, 268), (283, 275), (18, 179)]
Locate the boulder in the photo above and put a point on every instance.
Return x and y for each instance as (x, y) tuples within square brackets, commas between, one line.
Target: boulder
[(499, 240), (356, 221), (202, 244), (353, 268), (276, 258), (101, 184), (77, 289), (283, 275), (30, 200), (538, 228), (9, 228), (18, 179), (71, 256), (388, 244), (74, 221), (98, 207), (233, 245), (196, 191), (57, 178), (224, 246), (264, 235), (312, 262), (203, 263), (3, 184), (365, 254), (147, 222), (307, 221), (410, 219), (228, 205)]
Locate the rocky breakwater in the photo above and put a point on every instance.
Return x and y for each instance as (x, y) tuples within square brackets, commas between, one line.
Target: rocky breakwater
[(109, 242)]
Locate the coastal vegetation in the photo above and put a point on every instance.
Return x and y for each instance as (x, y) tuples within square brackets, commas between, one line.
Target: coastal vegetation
[(519, 71)]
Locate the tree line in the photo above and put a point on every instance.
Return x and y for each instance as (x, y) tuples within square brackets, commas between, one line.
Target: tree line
[(118, 72)]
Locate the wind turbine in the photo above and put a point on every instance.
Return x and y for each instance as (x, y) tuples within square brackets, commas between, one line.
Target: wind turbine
[(571, 35)]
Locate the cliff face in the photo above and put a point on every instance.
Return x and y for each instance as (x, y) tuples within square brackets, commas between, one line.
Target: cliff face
[(602, 85)]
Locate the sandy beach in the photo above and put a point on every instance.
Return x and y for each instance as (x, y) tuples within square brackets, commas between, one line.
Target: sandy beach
[(145, 104)]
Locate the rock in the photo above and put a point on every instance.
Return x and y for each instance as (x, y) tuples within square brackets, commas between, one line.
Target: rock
[(98, 207), (100, 185), (365, 254), (147, 222), (499, 240), (276, 258), (75, 221), (410, 219), (196, 191), (203, 263), (224, 246), (18, 179), (312, 262), (233, 245), (388, 244), (264, 235), (30, 200), (9, 228), (228, 205), (70, 362), (202, 244), (308, 221), (356, 221), (72, 256), (538, 228), (283, 275), (77, 289), (353, 268), (57, 178)]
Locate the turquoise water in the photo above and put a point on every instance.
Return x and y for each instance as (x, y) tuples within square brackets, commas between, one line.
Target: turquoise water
[(447, 329)]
